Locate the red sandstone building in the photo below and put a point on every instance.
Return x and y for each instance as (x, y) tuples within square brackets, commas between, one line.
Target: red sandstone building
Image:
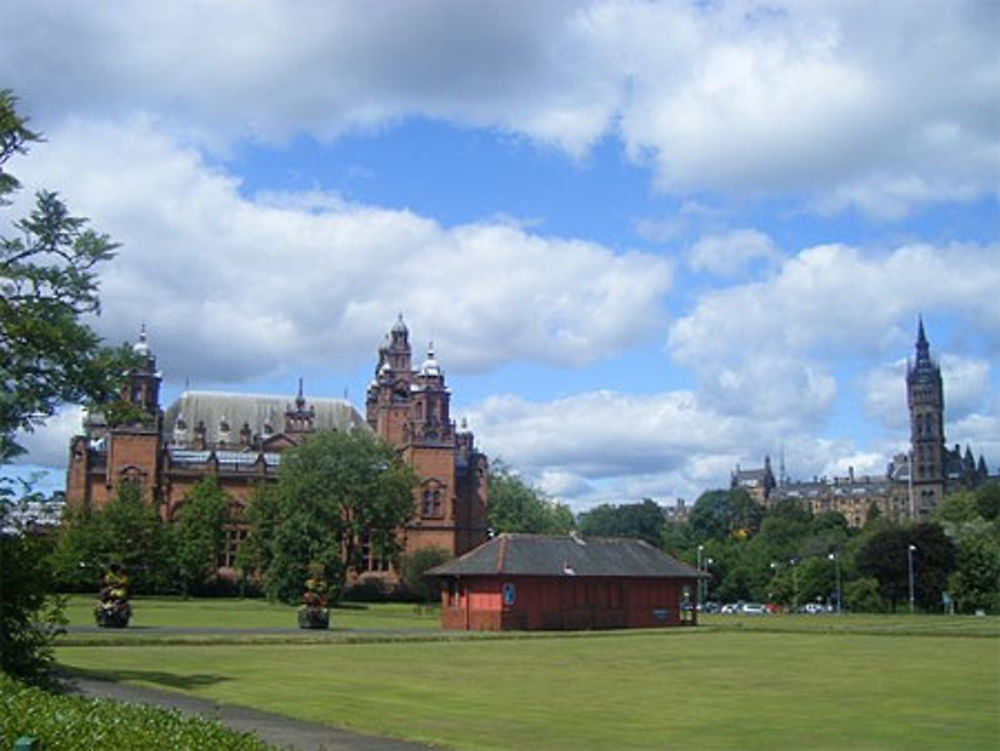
[(519, 581), (239, 438)]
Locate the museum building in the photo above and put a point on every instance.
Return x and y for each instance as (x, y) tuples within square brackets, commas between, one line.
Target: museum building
[(239, 438)]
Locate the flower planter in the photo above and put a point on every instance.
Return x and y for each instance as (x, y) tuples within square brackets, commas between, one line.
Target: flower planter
[(317, 618)]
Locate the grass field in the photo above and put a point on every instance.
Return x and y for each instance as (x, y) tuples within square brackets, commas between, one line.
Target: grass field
[(255, 613), (778, 683)]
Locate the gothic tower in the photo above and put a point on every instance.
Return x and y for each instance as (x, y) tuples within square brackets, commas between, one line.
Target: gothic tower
[(410, 409), (925, 399)]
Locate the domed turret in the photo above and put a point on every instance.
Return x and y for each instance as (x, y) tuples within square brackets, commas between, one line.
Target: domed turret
[(431, 367)]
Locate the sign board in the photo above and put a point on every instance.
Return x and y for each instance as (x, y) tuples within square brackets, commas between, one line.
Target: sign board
[(508, 594)]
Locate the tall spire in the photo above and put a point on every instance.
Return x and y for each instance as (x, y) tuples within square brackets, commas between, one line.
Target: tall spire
[(923, 347), (300, 399)]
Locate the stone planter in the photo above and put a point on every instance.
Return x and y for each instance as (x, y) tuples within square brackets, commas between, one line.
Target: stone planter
[(315, 618)]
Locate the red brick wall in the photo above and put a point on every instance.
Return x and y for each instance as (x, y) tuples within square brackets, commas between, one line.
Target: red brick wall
[(540, 603)]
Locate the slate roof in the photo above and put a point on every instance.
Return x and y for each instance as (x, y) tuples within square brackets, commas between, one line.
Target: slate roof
[(545, 555), (255, 410)]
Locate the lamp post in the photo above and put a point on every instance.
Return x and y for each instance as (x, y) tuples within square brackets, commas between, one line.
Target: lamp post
[(701, 549), (909, 568), (708, 562), (836, 564), (795, 584)]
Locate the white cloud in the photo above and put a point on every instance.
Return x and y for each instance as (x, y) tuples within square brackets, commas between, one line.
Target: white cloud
[(730, 254), (310, 278), (772, 345), (48, 444), (879, 106), (884, 390)]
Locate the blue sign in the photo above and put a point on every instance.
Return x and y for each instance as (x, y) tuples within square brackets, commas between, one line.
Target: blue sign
[(508, 594)]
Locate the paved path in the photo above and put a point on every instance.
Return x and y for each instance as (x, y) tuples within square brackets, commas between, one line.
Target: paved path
[(275, 729)]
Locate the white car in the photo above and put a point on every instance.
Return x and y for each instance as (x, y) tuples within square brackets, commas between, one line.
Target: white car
[(753, 608)]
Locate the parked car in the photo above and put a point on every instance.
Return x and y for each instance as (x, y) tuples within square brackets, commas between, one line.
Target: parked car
[(753, 608), (730, 608)]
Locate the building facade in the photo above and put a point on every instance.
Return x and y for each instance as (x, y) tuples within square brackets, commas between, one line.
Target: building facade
[(914, 482), (239, 438)]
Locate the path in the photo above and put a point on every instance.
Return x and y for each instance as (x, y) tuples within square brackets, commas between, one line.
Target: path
[(275, 729)]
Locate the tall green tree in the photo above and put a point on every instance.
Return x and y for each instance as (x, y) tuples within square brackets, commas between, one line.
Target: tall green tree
[(335, 491), (198, 533), (644, 521), (260, 516), (884, 556), (48, 356), (518, 506), (48, 282), (718, 514)]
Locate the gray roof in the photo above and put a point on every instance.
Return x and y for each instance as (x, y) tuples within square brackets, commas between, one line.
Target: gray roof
[(545, 555), (255, 410)]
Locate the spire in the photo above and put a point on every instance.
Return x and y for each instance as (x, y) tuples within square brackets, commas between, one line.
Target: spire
[(300, 400), (923, 347)]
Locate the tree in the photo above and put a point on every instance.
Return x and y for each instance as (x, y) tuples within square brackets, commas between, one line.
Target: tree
[(862, 596), (255, 553), (336, 492), (988, 500), (48, 282), (884, 556), (718, 514), (517, 506), (412, 569), (641, 520), (47, 356), (29, 617), (199, 533), (975, 584)]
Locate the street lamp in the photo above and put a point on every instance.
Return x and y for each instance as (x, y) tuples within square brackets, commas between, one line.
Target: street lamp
[(701, 549), (909, 568), (708, 562), (795, 584), (836, 564)]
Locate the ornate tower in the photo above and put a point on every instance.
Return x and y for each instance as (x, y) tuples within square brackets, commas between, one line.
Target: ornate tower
[(119, 448), (410, 409), (389, 397), (925, 399)]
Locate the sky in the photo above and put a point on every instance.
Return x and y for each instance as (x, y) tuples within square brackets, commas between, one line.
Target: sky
[(650, 241)]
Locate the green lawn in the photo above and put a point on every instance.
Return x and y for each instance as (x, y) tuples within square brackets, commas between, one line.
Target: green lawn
[(724, 686), (252, 613)]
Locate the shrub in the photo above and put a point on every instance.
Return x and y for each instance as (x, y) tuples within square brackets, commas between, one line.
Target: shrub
[(69, 723), (413, 584), (29, 615), (367, 590)]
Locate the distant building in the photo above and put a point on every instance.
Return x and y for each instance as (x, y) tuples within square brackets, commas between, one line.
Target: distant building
[(678, 512), (899, 493), (520, 581), (239, 438)]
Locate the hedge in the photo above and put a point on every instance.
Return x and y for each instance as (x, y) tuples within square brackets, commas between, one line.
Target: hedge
[(71, 723)]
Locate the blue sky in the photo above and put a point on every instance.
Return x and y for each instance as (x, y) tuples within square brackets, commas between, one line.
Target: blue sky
[(650, 241)]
